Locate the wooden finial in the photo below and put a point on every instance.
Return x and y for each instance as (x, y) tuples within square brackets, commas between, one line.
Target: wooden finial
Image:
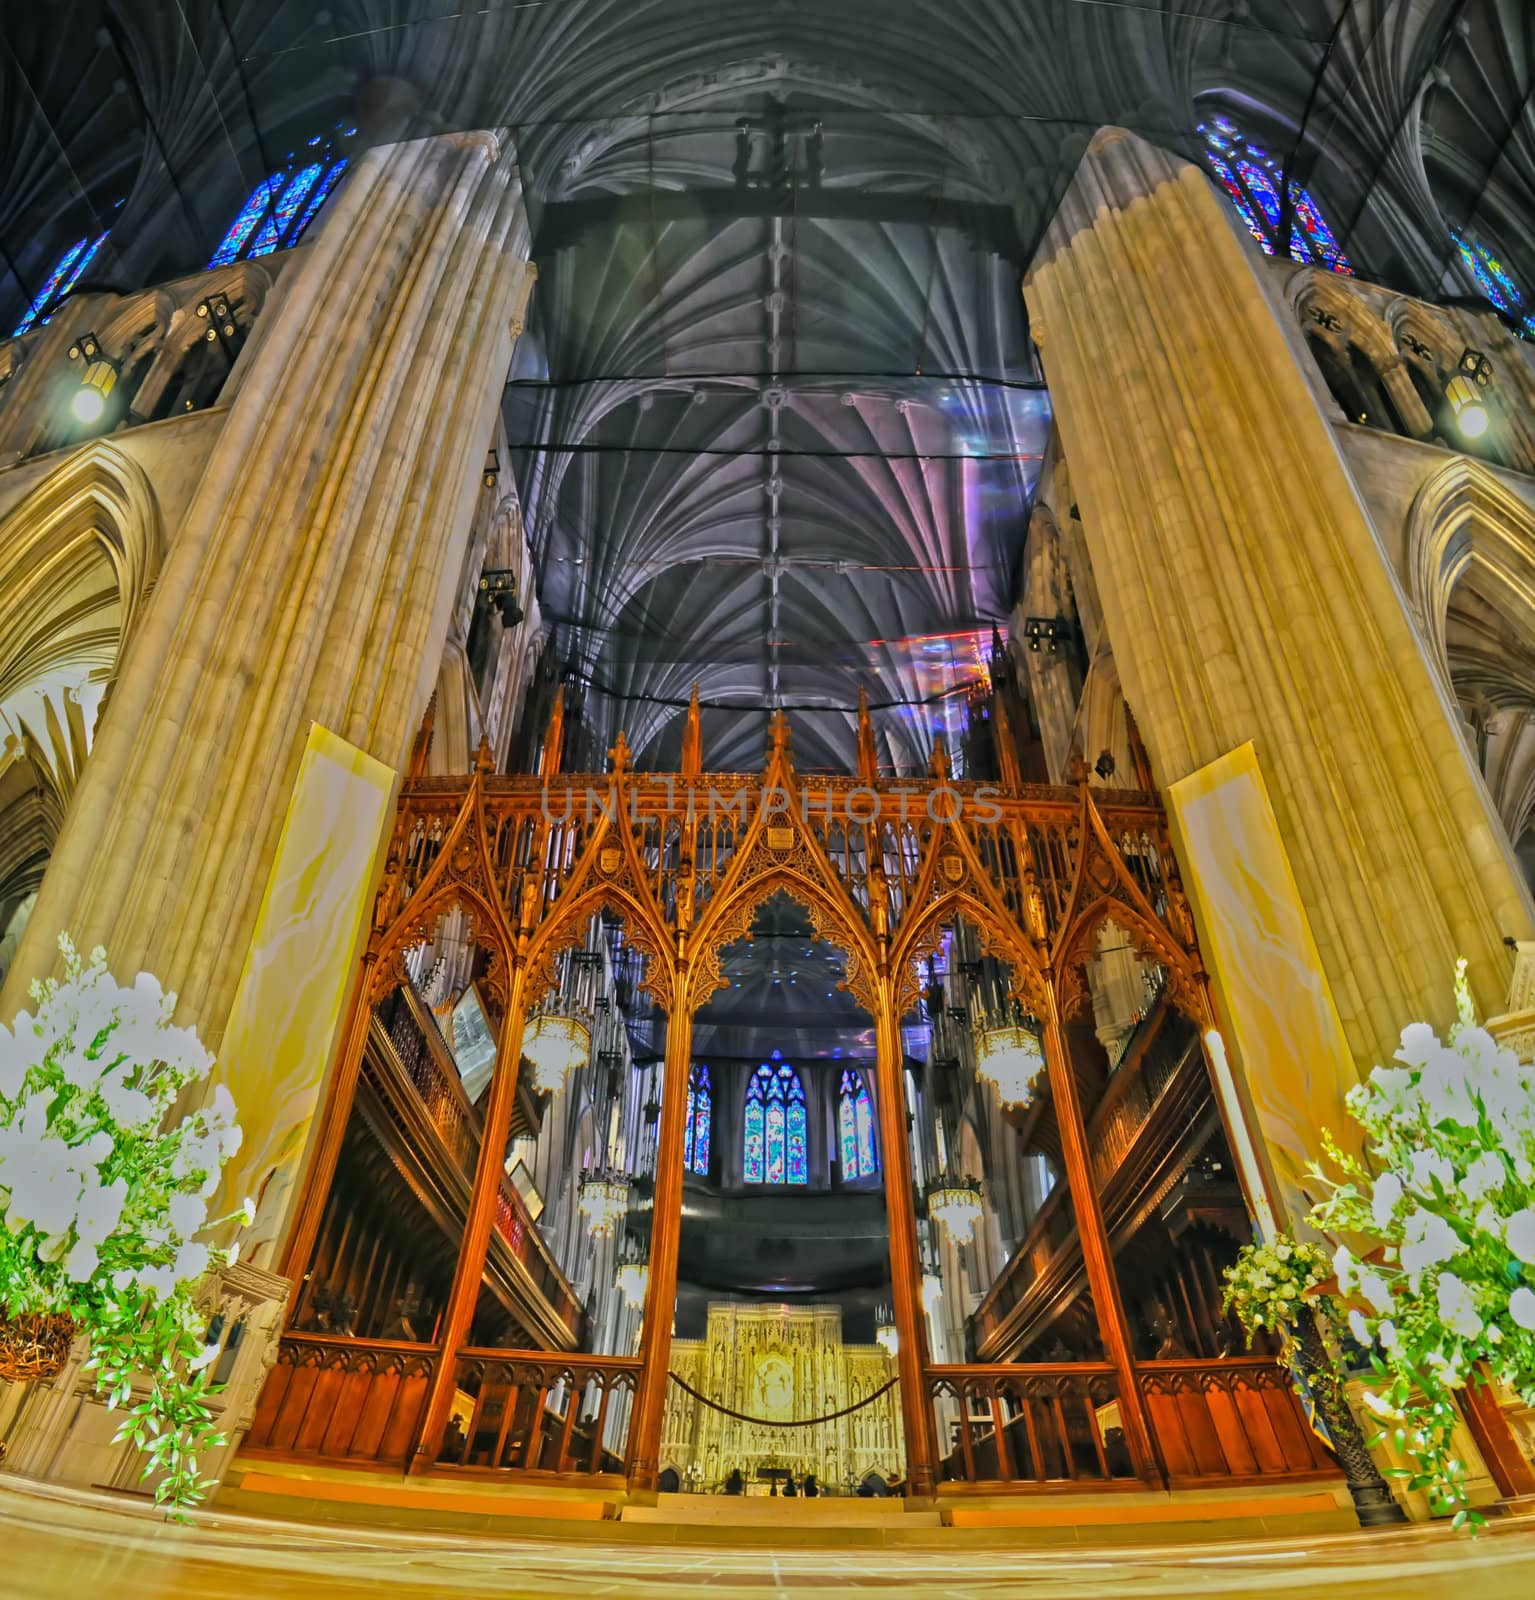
[(778, 736), (939, 765), (422, 748), (692, 740), (554, 739), (1008, 768), (484, 758), (868, 754), (619, 755)]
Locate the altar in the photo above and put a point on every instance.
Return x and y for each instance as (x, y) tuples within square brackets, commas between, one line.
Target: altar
[(770, 1366)]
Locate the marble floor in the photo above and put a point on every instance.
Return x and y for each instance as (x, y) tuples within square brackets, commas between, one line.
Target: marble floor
[(66, 1545)]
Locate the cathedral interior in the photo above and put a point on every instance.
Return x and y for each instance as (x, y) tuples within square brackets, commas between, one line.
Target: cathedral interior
[(794, 688)]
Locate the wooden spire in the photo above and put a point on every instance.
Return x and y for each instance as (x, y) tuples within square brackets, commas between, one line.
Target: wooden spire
[(554, 738), (1008, 769), (692, 740), (868, 755)]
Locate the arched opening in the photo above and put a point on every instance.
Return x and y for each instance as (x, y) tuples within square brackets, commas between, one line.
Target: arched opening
[(783, 1298)]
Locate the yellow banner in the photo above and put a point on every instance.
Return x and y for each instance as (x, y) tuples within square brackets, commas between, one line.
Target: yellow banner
[(298, 975), (1276, 1008)]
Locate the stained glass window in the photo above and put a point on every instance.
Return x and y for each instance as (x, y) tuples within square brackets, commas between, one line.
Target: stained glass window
[(65, 275), (281, 206), (855, 1127), (774, 1130), (1493, 280), (695, 1143), (1251, 178)]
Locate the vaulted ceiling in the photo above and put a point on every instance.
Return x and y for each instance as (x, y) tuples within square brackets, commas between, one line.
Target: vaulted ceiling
[(775, 419)]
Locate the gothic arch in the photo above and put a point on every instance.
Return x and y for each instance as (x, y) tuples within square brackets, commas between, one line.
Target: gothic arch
[(1000, 937)]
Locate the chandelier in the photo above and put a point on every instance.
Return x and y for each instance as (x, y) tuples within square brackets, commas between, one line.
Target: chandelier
[(556, 1043), (604, 1199), (955, 1205), (885, 1335), (1010, 1058), (632, 1279)]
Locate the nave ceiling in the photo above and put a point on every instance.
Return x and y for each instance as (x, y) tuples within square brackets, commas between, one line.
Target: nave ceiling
[(774, 420)]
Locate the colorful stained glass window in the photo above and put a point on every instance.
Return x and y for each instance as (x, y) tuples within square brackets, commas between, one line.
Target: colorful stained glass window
[(65, 275), (1251, 178), (282, 206), (775, 1125), (695, 1145), (855, 1127), (1493, 280)]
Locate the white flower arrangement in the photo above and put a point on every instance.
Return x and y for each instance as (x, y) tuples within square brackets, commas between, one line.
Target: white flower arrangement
[(1449, 1280), (1267, 1283), (103, 1198)]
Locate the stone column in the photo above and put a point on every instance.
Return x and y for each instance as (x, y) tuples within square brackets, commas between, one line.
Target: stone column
[(1247, 595), (314, 573)]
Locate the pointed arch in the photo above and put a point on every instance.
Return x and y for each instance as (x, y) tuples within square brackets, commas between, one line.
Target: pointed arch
[(855, 1127), (698, 1132)]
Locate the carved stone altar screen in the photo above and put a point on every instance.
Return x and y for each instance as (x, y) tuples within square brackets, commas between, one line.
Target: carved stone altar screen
[(781, 1364), (685, 859)]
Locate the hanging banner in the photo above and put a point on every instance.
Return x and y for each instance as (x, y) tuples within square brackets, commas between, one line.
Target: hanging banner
[(298, 974), (1276, 1008)]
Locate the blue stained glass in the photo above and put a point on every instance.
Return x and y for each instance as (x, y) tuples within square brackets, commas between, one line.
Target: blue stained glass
[(695, 1145), (775, 1146), (1495, 282), (274, 229), (61, 280), (318, 198), (847, 1135), (855, 1127), (1250, 176), (753, 1142), (244, 224)]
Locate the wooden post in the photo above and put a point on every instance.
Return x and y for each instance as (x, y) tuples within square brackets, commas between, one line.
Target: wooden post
[(905, 1259), (665, 1238), (489, 1174), (1097, 1254)]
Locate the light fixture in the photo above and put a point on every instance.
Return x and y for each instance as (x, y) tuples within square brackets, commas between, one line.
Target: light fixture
[(1049, 634), (89, 403), (632, 1279), (955, 1205), (492, 469), (1010, 1058), (603, 1199), (498, 588), (1464, 392), (556, 1044), (885, 1335)]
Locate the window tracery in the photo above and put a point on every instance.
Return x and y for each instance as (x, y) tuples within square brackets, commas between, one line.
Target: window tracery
[(281, 206), (695, 1145), (1251, 178), (774, 1127), (855, 1127), (66, 273), (1493, 280)]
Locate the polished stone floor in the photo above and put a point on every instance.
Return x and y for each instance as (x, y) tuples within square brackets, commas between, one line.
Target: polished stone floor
[(61, 1545)]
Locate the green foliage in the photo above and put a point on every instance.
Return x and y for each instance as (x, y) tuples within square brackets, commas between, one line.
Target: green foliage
[(104, 1196)]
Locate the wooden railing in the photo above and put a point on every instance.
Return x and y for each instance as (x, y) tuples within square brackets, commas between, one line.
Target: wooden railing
[(1236, 1418), (537, 1411), (1055, 1423), (331, 1398)]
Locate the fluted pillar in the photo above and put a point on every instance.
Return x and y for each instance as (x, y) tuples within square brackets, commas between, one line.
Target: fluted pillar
[(1247, 596), (314, 573)]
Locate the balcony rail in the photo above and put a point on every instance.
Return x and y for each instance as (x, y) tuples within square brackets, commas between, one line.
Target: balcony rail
[(1146, 1101), (331, 1398), (427, 1065), (1047, 1423), (538, 1411), (1236, 1418)]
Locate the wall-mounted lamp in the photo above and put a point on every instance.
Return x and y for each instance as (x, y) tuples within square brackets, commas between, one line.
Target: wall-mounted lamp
[(98, 381), (1464, 392), (1048, 633), (498, 588), (492, 469), (216, 313)]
